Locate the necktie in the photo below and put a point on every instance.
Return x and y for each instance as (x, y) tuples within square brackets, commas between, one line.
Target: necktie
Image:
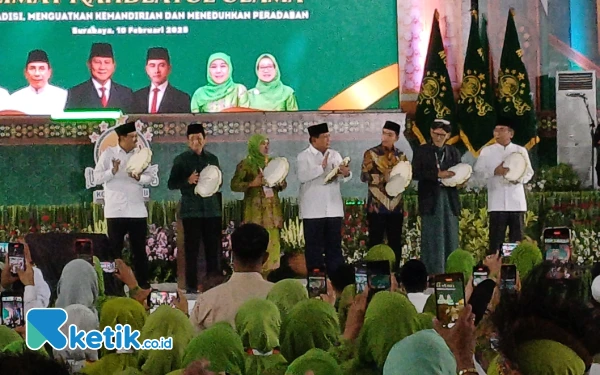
[(153, 108), (103, 98)]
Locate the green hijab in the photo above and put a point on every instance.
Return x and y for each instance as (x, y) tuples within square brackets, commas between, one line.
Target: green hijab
[(545, 357), (165, 322), (258, 323), (8, 336), (221, 346), (213, 91), (461, 261), (424, 352), (255, 159), (381, 252), (110, 364), (122, 310), (286, 294), (526, 256), (316, 360), (267, 95), (310, 324), (389, 318)]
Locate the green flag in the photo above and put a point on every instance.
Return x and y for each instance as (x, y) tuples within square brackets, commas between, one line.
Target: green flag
[(476, 113), (436, 100), (514, 92)]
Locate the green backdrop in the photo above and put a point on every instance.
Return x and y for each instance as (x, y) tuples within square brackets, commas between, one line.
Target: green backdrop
[(340, 43)]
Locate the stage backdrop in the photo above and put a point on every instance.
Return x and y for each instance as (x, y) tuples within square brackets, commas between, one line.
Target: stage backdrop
[(322, 47)]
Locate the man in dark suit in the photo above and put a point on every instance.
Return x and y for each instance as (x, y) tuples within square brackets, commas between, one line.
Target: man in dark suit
[(100, 91), (160, 96)]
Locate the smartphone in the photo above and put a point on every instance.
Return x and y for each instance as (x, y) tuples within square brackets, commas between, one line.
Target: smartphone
[(557, 244), (508, 278), (84, 249), (480, 273), (378, 276), (108, 267), (449, 297), (507, 249), (13, 311), (158, 297), (316, 283), (16, 257), (3, 250), (360, 277)]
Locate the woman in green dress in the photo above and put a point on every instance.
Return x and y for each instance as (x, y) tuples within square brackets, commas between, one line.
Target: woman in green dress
[(221, 92), (261, 204), (270, 94)]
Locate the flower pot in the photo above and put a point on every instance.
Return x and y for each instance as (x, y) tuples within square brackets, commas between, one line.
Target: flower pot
[(297, 263)]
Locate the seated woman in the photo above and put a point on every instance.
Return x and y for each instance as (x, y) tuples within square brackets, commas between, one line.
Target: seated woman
[(270, 94), (221, 92)]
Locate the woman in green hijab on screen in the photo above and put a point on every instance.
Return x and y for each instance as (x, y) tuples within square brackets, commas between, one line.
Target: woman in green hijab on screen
[(270, 94), (221, 92)]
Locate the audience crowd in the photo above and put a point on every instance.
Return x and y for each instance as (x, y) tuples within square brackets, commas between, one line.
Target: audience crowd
[(250, 326)]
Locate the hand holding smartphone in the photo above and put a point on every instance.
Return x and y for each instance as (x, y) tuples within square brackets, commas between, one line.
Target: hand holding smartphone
[(157, 298), (360, 277), (13, 311), (480, 273), (508, 278), (16, 258), (449, 297)]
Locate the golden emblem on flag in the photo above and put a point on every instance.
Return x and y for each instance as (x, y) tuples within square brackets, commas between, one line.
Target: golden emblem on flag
[(511, 88), (433, 88), (472, 90)]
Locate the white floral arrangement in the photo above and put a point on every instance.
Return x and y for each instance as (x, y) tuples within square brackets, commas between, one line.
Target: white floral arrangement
[(292, 236), (586, 246), (411, 249)]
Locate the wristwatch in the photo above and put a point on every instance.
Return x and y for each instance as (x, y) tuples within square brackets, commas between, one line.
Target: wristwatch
[(471, 370)]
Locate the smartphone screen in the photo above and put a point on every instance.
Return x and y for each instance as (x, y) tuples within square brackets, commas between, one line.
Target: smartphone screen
[(508, 278), (360, 277), (480, 273), (157, 298), (317, 283), (449, 297), (507, 249), (108, 267), (557, 244), (378, 276), (84, 250), (3, 250), (16, 257), (13, 313)]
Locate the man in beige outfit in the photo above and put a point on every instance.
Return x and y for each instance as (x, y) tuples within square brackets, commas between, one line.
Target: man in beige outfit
[(249, 244)]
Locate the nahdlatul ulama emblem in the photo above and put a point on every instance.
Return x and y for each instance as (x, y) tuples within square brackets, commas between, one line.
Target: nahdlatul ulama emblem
[(433, 88), (108, 138), (472, 91), (511, 89)]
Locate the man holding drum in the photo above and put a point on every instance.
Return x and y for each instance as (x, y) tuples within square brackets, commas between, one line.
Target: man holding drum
[(201, 215), (385, 214), (506, 195), (321, 204), (124, 206)]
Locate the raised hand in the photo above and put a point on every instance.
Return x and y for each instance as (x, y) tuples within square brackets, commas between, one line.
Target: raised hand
[(193, 179), (115, 163)]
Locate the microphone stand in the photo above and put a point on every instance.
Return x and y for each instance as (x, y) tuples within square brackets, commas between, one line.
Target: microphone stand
[(592, 133)]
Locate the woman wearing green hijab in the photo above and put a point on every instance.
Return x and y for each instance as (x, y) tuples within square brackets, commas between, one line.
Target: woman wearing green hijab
[(258, 323), (461, 261), (310, 324), (115, 311), (389, 318), (221, 92), (165, 322), (270, 94), (318, 361), (221, 347), (8, 336), (261, 203), (286, 294)]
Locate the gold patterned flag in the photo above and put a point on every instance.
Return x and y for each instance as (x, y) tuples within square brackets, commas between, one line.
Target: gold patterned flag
[(436, 100), (514, 92), (476, 112)]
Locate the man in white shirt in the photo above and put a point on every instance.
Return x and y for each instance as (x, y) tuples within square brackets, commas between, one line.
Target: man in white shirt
[(413, 277), (506, 200), (249, 245), (124, 206), (160, 96), (4, 98), (40, 97), (321, 204)]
